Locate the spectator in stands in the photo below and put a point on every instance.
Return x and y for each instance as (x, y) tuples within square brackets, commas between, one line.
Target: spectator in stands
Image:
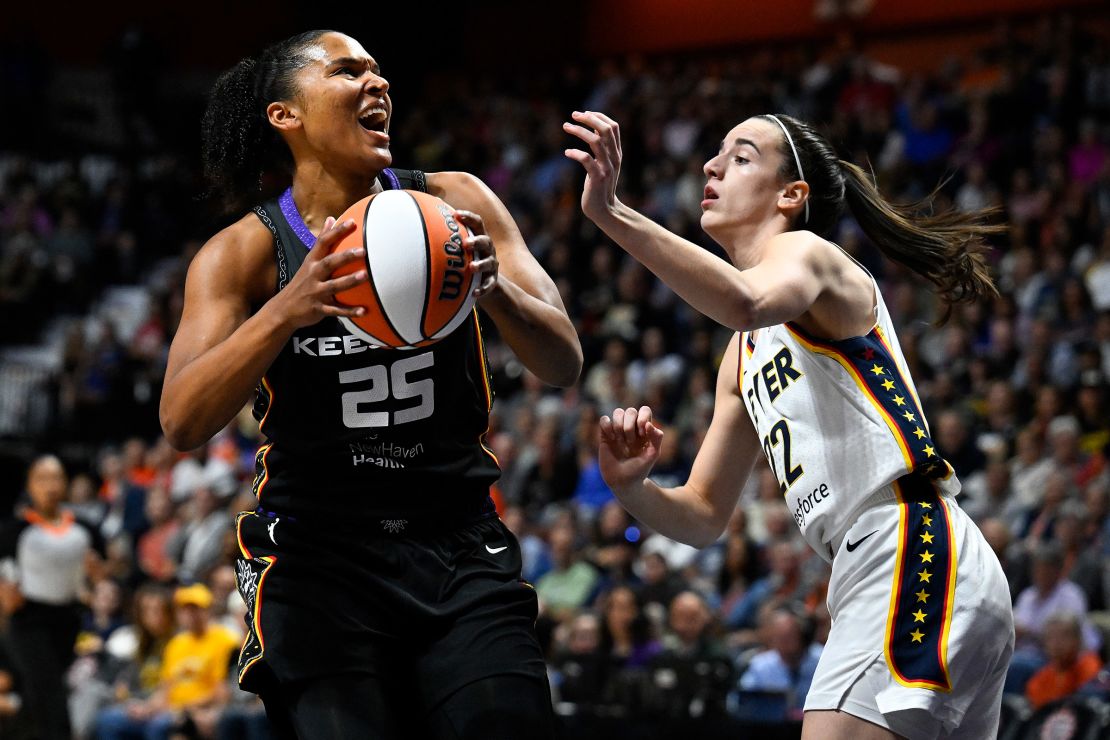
[(579, 667), (198, 545), (140, 646), (626, 633), (192, 679), (1029, 469), (590, 492), (126, 500), (1040, 521), (152, 549), (989, 494), (534, 553), (610, 551), (1063, 440), (551, 474), (103, 617), (1069, 667), (1082, 565), (129, 666), (1015, 564), (199, 469), (789, 661), (571, 582), (691, 629), (1049, 594), (225, 600), (84, 501), (658, 583), (783, 585)]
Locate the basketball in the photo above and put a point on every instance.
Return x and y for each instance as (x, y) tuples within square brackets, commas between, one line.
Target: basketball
[(419, 289)]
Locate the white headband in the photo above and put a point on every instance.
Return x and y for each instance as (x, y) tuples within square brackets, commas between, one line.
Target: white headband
[(797, 161)]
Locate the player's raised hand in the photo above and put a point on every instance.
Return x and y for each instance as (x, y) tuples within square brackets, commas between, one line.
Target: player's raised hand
[(310, 295), (629, 447), (603, 134)]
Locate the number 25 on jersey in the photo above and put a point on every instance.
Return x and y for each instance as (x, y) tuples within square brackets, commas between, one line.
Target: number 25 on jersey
[(387, 382)]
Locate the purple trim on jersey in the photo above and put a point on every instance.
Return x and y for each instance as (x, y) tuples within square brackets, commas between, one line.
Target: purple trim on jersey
[(394, 183), (293, 216)]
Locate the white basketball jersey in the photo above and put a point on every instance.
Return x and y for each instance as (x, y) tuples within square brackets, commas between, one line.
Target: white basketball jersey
[(839, 420)]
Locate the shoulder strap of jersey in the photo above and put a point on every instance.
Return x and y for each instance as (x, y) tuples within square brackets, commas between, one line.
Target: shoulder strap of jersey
[(394, 179), (279, 247)]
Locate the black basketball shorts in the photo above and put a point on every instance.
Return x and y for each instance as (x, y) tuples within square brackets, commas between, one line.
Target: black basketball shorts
[(436, 607)]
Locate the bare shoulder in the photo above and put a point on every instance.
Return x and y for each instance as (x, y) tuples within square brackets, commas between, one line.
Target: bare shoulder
[(462, 190), (239, 259), (846, 302), (828, 261), (803, 246)]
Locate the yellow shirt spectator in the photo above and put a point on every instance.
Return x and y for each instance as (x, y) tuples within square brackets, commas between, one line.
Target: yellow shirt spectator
[(194, 666)]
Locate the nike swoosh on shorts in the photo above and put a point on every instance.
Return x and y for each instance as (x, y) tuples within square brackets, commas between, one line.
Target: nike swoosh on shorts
[(495, 550), (853, 545)]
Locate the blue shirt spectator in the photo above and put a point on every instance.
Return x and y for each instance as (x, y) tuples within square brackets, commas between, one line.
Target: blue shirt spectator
[(788, 665)]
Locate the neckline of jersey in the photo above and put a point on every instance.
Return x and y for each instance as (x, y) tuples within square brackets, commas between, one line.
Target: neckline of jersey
[(296, 221)]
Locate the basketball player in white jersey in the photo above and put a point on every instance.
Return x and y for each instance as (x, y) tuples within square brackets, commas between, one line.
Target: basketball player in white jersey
[(922, 629)]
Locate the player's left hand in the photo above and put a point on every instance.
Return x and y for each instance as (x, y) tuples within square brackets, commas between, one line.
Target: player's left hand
[(483, 254)]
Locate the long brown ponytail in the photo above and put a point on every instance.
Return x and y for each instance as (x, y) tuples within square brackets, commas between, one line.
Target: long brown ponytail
[(949, 249)]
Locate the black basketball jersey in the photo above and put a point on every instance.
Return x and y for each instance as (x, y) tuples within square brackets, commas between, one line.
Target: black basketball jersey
[(355, 431)]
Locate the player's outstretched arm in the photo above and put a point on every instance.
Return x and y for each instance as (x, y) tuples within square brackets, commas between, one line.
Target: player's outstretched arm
[(522, 299), (784, 288), (220, 351), (695, 513)]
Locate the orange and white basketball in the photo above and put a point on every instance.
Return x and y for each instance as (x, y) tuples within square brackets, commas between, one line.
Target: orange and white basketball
[(420, 289)]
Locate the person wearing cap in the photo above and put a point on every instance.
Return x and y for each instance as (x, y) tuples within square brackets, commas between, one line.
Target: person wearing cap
[(194, 669)]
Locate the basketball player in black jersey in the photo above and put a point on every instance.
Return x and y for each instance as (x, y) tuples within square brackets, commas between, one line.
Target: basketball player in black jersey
[(384, 594)]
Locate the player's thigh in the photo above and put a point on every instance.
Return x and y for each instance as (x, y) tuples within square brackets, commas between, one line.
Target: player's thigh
[(830, 724), (488, 623), (348, 707), (504, 707)]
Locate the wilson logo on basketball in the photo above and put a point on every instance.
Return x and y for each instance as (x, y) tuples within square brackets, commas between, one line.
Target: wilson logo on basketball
[(453, 249), (419, 290)]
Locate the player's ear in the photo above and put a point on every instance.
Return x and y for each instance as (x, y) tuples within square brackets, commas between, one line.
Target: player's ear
[(283, 116), (794, 196)]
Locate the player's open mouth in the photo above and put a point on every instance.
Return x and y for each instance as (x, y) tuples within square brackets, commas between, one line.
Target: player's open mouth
[(710, 196), (374, 119)]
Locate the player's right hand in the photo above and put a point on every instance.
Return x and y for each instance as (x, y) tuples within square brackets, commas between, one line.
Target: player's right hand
[(310, 295), (629, 447), (602, 163)]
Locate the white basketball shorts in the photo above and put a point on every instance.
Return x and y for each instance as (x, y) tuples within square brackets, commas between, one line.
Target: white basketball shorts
[(922, 625)]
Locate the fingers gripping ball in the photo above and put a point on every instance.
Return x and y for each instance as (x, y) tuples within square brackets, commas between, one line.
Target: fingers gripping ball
[(420, 288)]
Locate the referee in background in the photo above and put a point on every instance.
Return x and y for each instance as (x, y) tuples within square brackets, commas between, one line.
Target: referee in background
[(45, 555)]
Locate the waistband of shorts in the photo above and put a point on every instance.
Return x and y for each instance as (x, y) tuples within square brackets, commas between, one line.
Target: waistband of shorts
[(886, 494), (388, 524)]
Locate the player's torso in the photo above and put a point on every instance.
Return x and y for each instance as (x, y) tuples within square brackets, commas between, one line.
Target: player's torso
[(379, 429), (838, 420)]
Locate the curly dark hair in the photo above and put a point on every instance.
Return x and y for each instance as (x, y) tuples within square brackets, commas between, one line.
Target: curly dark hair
[(238, 145)]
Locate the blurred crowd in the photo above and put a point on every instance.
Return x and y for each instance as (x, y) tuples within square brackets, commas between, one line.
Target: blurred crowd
[(1016, 389)]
